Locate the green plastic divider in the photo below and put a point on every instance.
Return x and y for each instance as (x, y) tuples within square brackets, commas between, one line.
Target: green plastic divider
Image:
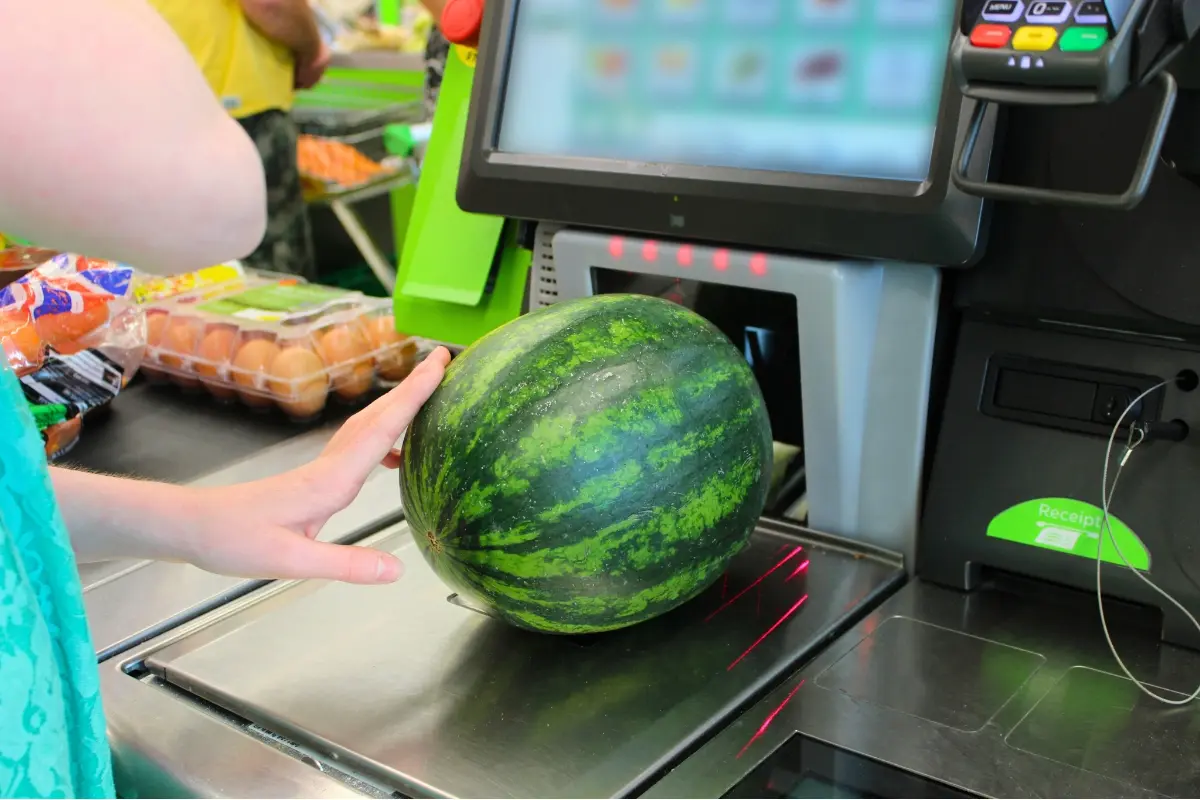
[(448, 253)]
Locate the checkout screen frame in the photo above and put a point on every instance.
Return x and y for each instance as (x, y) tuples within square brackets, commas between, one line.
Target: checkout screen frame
[(850, 216)]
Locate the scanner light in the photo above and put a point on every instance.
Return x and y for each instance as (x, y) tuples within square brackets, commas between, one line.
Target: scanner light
[(684, 255), (758, 265), (616, 247), (721, 260), (650, 250)]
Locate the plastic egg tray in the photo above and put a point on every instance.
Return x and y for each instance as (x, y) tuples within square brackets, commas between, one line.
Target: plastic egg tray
[(278, 343)]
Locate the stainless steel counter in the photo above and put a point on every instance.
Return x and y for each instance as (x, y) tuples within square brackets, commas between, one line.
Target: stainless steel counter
[(318, 689), (160, 434), (1007, 692)]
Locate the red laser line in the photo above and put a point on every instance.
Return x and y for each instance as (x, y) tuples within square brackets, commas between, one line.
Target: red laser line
[(770, 630), (770, 718), (803, 566), (757, 581)]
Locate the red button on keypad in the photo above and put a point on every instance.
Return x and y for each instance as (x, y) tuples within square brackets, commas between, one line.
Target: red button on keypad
[(991, 35)]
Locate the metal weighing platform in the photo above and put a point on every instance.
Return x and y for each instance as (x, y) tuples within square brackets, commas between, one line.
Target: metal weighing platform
[(1005, 692), (311, 689)]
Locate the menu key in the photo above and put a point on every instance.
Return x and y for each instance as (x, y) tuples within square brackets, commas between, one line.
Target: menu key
[(1003, 10)]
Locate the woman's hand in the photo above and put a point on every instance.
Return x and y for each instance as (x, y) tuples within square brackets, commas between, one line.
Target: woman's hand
[(262, 529)]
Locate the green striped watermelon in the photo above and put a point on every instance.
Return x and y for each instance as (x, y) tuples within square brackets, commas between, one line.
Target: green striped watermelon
[(590, 465)]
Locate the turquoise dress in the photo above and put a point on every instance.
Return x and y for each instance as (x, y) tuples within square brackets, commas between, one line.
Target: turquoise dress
[(52, 741)]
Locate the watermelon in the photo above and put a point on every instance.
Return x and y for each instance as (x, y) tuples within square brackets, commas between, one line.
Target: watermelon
[(590, 465)]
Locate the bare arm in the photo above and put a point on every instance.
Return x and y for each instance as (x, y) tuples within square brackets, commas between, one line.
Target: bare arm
[(110, 517), (114, 146), (262, 529), (291, 23)]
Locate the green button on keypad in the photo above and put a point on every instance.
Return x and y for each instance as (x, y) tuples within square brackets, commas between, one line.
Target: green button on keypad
[(1077, 40)]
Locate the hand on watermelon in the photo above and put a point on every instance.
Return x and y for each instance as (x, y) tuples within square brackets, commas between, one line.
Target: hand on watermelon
[(261, 529), (268, 528)]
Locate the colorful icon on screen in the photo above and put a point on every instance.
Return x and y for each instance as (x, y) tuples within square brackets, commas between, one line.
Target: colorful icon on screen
[(742, 72), (829, 11), (818, 75), (682, 10), (673, 72), (608, 69), (618, 9)]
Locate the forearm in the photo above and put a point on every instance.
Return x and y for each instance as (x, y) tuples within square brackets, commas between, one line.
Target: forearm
[(291, 23), (109, 517)]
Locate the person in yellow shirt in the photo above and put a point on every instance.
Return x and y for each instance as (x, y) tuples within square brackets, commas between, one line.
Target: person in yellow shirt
[(254, 55)]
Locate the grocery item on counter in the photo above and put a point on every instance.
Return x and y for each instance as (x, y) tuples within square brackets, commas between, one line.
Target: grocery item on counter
[(60, 439), (71, 304), (334, 165), (277, 342), (66, 388), (147, 288), (18, 260), (590, 465)]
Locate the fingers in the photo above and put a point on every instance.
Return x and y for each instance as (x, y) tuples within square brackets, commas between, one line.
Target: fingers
[(370, 436), (292, 557)]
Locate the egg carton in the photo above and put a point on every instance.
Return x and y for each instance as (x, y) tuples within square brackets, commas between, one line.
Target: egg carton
[(243, 346)]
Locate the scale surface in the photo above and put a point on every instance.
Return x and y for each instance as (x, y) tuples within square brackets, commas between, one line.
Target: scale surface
[(417, 695), (1009, 691)]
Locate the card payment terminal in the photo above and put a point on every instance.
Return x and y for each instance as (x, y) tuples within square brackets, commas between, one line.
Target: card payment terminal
[(1069, 52), (1067, 44)]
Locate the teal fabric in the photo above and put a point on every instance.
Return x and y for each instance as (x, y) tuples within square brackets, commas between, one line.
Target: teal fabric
[(52, 741)]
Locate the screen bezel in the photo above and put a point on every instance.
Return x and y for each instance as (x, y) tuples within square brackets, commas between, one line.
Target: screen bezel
[(857, 217)]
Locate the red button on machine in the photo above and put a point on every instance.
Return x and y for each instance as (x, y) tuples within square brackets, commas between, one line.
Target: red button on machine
[(461, 20), (990, 35)]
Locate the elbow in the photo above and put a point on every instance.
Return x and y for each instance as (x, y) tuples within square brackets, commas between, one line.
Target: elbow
[(233, 194), (247, 217)]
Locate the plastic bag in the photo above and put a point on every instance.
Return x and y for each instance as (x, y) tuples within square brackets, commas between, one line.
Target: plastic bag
[(70, 304)]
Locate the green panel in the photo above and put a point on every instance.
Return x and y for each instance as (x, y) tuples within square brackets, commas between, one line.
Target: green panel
[(388, 11), (1071, 527), (447, 257)]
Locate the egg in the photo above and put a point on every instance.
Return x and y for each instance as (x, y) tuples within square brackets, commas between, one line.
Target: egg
[(393, 360), (179, 342), (249, 365), (212, 357), (348, 353), (156, 325), (298, 382)]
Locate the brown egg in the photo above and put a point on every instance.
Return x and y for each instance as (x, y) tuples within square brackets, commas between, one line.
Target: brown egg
[(394, 357), (298, 382), (348, 353), (179, 342), (249, 369), (212, 358), (156, 324)]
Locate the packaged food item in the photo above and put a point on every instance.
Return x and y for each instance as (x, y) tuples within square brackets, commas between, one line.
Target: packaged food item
[(64, 390), (71, 304), (278, 342), (148, 288), (334, 164)]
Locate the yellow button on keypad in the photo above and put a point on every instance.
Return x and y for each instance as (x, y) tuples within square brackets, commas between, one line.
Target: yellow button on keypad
[(1034, 37)]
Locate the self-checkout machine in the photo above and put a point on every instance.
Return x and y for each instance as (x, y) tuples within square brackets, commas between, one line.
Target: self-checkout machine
[(724, 155), (990, 675)]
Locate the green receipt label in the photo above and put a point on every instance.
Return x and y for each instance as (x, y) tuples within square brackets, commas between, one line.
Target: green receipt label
[(1069, 526)]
